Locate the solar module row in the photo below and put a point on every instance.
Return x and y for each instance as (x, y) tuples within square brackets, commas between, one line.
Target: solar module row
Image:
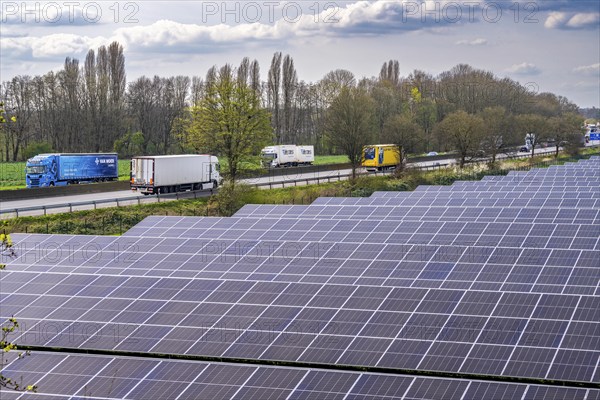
[(425, 198), (553, 215), (111, 378), (461, 267), (491, 234), (535, 335)]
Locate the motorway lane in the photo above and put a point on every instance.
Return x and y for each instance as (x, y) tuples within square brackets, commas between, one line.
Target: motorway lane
[(139, 198)]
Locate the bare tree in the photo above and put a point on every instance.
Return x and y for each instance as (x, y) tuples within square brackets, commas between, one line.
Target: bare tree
[(198, 90), (211, 77), (390, 71), (464, 132), (143, 100), (289, 84), (117, 85), (567, 130), (535, 127), (387, 104), (18, 95), (403, 131), (274, 84), (243, 71), (171, 103), (497, 131), (350, 125), (254, 76)]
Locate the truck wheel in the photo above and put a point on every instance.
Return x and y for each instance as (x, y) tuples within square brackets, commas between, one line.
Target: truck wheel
[(51, 184)]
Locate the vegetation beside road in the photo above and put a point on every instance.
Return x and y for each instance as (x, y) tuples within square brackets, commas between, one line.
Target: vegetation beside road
[(115, 221)]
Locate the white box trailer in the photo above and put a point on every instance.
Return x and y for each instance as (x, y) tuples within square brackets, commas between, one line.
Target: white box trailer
[(287, 156), (178, 173)]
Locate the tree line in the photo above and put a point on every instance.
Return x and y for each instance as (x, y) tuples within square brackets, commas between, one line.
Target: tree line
[(92, 107)]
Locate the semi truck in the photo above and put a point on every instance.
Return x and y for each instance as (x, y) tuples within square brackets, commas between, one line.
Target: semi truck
[(63, 169), (177, 173), (287, 156), (381, 157)]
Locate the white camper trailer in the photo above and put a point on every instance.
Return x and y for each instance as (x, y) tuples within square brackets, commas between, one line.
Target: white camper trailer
[(287, 156)]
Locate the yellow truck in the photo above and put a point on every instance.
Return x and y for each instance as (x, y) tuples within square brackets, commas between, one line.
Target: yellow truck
[(380, 157)]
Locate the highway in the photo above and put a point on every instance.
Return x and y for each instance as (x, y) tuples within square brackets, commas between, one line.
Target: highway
[(127, 197)]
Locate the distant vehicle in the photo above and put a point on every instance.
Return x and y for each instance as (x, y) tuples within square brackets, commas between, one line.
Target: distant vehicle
[(524, 149), (45, 170), (529, 141), (170, 174), (432, 153), (593, 133), (287, 156), (380, 157)]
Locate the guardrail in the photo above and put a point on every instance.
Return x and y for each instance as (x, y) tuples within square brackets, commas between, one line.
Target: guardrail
[(87, 188), (118, 201)]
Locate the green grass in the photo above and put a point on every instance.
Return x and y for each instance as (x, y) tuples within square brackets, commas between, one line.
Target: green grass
[(12, 174), (324, 160)]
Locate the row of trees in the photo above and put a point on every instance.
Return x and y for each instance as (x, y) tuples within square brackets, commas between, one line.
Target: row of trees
[(352, 123), (93, 108)]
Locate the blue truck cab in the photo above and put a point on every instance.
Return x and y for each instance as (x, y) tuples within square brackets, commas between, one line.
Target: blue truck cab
[(46, 170)]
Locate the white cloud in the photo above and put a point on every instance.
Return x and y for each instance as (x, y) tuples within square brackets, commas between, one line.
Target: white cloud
[(474, 42), (555, 20), (593, 69), (562, 20), (58, 44), (583, 20), (524, 69), (374, 18)]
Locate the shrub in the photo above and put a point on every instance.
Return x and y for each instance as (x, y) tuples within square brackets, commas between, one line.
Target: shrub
[(35, 148)]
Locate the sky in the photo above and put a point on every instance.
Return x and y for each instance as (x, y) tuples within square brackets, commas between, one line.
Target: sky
[(546, 45)]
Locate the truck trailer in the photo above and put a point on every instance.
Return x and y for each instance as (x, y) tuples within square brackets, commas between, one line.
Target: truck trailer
[(64, 169), (287, 156), (380, 157), (178, 173)]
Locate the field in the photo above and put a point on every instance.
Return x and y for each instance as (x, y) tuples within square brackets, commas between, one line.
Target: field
[(12, 174)]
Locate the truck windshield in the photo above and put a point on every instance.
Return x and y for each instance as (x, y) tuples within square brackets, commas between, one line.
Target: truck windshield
[(271, 155), (35, 169), (370, 153)]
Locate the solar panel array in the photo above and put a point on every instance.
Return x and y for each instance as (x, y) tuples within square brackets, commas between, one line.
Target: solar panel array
[(103, 377), (480, 279)]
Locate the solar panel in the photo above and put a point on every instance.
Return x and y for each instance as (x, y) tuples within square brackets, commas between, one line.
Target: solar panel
[(491, 293), (63, 376), (239, 319)]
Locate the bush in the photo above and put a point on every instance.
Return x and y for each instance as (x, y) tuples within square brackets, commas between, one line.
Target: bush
[(35, 148), (361, 192), (230, 198), (129, 145)]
